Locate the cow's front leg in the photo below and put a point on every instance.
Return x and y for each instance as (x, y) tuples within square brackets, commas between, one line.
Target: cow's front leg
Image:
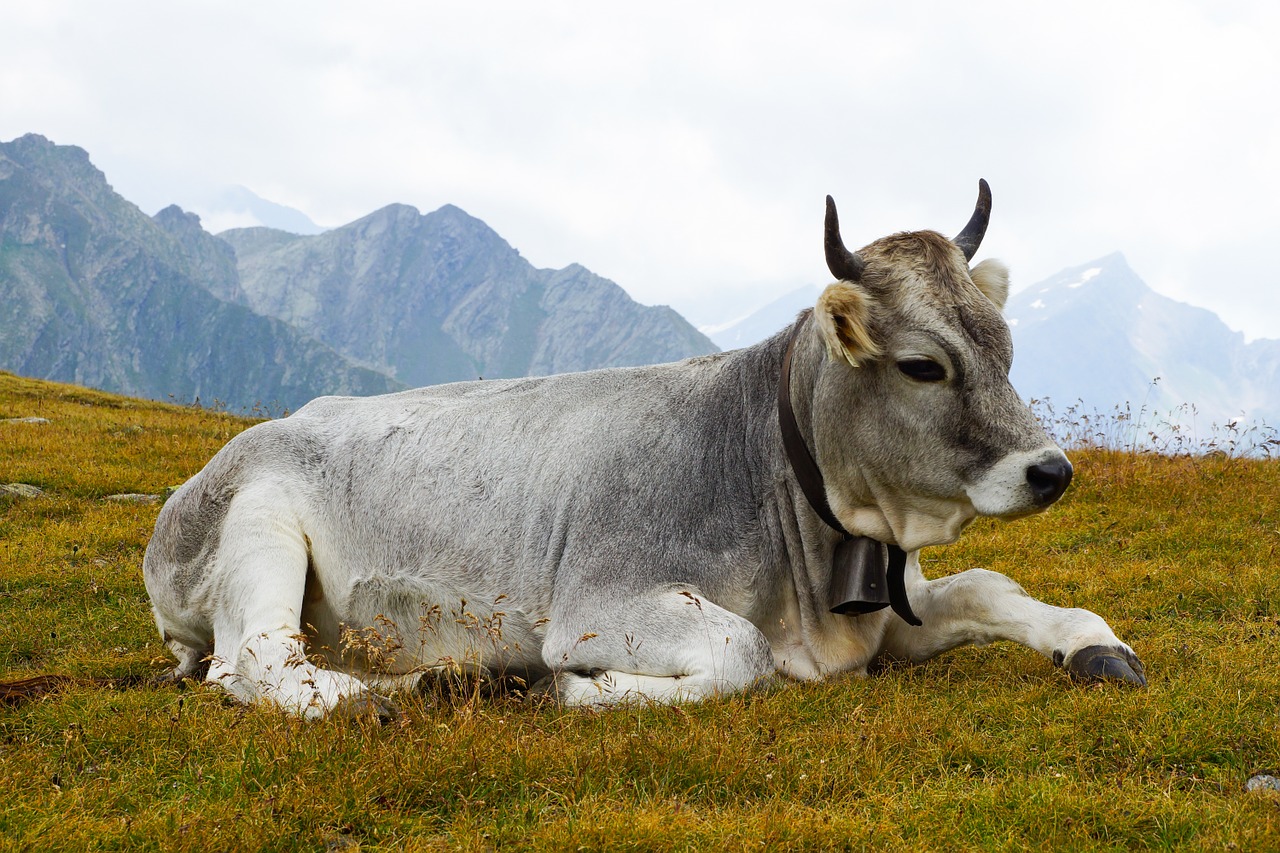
[(666, 644), (978, 606)]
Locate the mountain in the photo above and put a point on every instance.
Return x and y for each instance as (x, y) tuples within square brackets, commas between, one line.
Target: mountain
[(764, 322), (240, 207), (1096, 336), (97, 293), (441, 297), (209, 261)]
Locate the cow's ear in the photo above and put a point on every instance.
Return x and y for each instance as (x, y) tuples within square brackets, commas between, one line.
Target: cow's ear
[(992, 278), (843, 314)]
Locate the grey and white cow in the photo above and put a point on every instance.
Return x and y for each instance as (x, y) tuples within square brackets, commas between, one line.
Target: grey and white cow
[(635, 532)]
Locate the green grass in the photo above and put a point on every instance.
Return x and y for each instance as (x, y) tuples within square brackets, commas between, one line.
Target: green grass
[(987, 748)]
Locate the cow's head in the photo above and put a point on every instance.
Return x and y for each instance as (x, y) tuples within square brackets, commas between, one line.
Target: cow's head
[(914, 422)]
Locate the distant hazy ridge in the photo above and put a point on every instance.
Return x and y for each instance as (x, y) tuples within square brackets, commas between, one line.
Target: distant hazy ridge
[(1097, 334)]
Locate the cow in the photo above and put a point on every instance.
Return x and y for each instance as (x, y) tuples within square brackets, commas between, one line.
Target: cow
[(661, 533)]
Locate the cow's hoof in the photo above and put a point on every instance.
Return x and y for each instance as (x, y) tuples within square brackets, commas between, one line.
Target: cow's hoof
[(544, 691), (367, 704), (1107, 663)]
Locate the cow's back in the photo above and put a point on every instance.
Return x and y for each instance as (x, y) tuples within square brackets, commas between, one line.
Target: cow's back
[(502, 489), (503, 485)]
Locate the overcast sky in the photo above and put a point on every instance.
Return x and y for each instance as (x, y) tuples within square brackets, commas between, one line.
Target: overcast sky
[(684, 149)]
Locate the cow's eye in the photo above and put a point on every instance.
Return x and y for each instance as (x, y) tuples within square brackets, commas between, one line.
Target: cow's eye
[(923, 369)]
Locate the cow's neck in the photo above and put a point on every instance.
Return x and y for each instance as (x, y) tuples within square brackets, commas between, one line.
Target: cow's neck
[(863, 578)]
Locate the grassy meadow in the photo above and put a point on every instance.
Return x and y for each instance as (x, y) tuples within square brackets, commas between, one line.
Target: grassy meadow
[(988, 748)]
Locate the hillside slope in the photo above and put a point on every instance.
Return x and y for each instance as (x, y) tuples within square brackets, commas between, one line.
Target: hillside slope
[(982, 748)]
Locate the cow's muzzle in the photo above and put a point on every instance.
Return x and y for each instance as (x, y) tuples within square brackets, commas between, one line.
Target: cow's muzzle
[(1048, 480), (1022, 483)]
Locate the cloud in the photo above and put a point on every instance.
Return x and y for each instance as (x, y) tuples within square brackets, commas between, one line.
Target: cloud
[(684, 149)]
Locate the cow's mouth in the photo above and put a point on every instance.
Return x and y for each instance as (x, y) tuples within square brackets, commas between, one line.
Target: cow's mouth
[(1022, 483)]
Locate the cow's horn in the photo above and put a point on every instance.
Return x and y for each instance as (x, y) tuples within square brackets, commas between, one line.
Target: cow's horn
[(844, 265), (971, 237)]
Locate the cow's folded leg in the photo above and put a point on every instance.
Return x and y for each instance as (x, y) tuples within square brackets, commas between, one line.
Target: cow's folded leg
[(978, 606), (668, 644), (259, 651)]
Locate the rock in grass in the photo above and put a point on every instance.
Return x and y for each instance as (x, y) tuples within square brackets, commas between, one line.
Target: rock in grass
[(24, 420), (21, 490), (1262, 783), (133, 498)]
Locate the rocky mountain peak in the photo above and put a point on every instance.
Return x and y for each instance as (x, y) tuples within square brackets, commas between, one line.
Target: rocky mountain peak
[(108, 296), (176, 220), (206, 259), (439, 297), (1099, 335), (57, 165), (98, 293)]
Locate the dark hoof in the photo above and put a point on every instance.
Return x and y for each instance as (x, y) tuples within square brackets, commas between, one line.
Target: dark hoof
[(545, 691), (368, 704), (1107, 663)]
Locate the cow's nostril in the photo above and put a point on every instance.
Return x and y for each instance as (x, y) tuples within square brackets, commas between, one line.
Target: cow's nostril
[(1049, 480)]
